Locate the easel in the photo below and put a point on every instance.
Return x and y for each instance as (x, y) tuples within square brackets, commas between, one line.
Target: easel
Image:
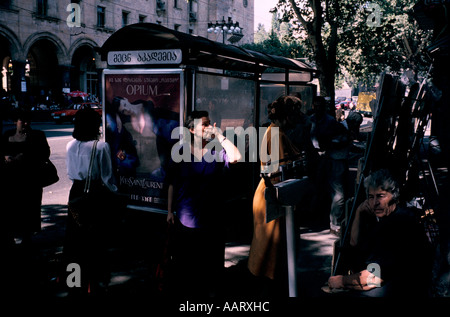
[(398, 129)]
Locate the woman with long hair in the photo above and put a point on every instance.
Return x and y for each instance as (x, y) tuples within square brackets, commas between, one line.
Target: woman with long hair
[(266, 252)]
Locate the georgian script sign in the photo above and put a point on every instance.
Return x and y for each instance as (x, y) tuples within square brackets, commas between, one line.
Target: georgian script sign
[(149, 57)]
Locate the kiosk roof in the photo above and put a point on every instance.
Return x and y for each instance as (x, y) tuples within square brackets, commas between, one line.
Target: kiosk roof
[(196, 50)]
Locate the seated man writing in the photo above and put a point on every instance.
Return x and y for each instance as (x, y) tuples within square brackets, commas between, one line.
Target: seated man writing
[(388, 245)]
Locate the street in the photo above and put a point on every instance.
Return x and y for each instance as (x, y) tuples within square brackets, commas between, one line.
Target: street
[(57, 137)]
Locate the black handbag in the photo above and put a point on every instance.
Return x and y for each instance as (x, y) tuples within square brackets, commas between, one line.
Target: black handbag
[(79, 206), (49, 173)]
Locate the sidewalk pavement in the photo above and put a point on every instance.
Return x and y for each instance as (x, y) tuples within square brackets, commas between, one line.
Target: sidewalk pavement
[(134, 250)]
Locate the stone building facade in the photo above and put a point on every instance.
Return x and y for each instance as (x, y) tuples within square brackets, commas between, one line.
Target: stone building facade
[(48, 46)]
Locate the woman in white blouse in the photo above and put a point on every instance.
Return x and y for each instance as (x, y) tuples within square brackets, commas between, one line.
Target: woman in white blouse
[(85, 230)]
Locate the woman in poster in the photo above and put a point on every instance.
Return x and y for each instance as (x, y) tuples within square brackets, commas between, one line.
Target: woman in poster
[(151, 128), (123, 147)]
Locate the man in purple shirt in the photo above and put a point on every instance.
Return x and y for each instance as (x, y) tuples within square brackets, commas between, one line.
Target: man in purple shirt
[(194, 200)]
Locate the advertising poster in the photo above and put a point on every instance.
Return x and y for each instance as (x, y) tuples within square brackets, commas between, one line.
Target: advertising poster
[(141, 110)]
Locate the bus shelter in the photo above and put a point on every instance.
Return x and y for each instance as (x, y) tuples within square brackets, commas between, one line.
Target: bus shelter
[(157, 76)]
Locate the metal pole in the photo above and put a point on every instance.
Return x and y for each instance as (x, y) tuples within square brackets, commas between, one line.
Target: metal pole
[(291, 254)]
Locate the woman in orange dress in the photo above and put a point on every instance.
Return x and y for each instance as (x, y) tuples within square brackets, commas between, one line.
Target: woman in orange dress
[(265, 250)]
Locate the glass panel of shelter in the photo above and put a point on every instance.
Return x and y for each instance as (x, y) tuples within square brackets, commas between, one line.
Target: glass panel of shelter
[(269, 93), (229, 100), (305, 93)]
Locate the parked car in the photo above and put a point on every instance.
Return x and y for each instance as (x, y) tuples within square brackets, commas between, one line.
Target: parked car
[(339, 99), (68, 115)]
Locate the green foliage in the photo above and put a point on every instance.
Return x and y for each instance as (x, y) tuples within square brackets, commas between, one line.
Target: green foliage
[(396, 44), (274, 46), (345, 36), (260, 34), (280, 41)]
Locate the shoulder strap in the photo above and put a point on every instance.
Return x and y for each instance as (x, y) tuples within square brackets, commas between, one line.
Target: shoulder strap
[(87, 185)]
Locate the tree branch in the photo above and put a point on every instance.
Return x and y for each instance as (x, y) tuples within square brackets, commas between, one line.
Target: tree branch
[(298, 14)]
